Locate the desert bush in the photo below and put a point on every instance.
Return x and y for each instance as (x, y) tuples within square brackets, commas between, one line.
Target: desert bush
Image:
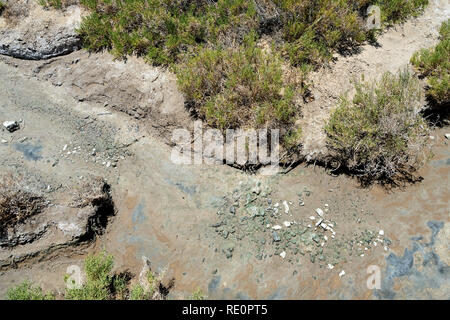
[(434, 63), (99, 280), (393, 11), (16, 205), (2, 7), (26, 291), (57, 4), (380, 134), (138, 293)]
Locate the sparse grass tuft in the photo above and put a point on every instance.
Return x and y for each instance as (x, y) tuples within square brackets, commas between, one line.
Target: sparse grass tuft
[(380, 133), (434, 63), (26, 291)]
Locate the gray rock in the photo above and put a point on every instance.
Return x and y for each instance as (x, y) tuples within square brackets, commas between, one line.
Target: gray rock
[(11, 126), (276, 237)]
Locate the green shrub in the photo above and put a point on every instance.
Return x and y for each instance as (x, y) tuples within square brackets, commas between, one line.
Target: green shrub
[(313, 29), (242, 87), (160, 29), (380, 134), (198, 295), (434, 64), (26, 291), (394, 11), (99, 280)]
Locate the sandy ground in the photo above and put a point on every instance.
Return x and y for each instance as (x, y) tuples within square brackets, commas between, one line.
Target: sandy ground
[(169, 213)]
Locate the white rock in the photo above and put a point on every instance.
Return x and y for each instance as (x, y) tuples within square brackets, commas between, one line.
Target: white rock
[(276, 227), (312, 218), (287, 224), (11, 126), (319, 212), (342, 273), (283, 254), (286, 207), (381, 232), (65, 147), (330, 266)]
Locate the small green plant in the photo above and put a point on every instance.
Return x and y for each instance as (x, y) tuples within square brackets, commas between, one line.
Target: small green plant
[(99, 280), (120, 286), (26, 291), (380, 133), (198, 295), (138, 293), (434, 63)]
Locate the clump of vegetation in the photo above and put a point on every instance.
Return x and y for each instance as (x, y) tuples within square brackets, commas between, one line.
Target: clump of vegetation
[(232, 88), (229, 81), (100, 284), (198, 295), (380, 134), (393, 11), (27, 291), (16, 205), (434, 63), (99, 280)]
